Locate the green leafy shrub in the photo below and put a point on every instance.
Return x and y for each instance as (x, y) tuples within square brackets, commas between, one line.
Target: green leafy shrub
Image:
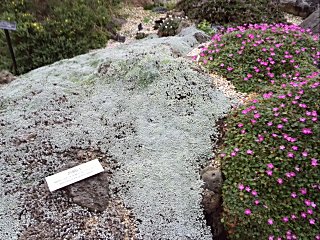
[(256, 56), (52, 30), (235, 12), (270, 161), (206, 27), (169, 27)]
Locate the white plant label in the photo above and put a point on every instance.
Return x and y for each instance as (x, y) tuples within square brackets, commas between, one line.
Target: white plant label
[(75, 174)]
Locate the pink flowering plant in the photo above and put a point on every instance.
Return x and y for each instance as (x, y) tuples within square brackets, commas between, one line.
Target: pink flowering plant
[(270, 159), (254, 56), (271, 150)]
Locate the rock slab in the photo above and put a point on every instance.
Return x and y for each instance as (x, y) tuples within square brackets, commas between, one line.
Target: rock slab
[(144, 105), (302, 8), (312, 22)]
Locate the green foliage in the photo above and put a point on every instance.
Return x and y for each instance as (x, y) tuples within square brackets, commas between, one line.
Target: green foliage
[(232, 12), (146, 20), (169, 5), (48, 31), (169, 27), (206, 27), (270, 155)]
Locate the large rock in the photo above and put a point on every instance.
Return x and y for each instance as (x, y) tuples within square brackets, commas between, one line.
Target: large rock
[(312, 22), (6, 77), (92, 193), (212, 200), (302, 8), (142, 105)]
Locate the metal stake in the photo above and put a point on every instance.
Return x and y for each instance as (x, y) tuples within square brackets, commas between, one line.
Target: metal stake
[(11, 51)]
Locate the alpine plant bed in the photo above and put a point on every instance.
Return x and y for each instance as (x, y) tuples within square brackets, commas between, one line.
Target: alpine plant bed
[(270, 154), (255, 56)]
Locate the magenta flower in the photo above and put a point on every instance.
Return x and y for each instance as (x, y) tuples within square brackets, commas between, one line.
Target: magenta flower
[(303, 191), (302, 105), (254, 193), (280, 126), (248, 189), (303, 215), (290, 155), (247, 211), (280, 181), (260, 138), (257, 115), (269, 172), (314, 162), (295, 148), (293, 217), (256, 202), (282, 147), (293, 195), (292, 174), (241, 186), (229, 69), (307, 202), (314, 113), (270, 221), (233, 154), (312, 221), (285, 219), (253, 121), (249, 151), (305, 154), (310, 211), (270, 165), (269, 124), (240, 125)]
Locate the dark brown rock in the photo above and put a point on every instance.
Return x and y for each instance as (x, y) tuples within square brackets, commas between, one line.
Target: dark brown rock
[(92, 193), (212, 179), (182, 25), (212, 200), (6, 77), (312, 22), (302, 8), (212, 206), (201, 37)]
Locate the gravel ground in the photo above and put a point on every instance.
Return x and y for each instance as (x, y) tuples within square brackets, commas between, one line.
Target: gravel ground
[(293, 19), (134, 16), (143, 109)]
